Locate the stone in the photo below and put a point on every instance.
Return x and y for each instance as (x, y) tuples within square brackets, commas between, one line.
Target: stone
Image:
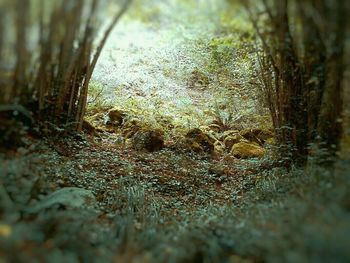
[(199, 138), (244, 150), (88, 128), (257, 135), (72, 197), (115, 118), (228, 133), (219, 148), (149, 140), (232, 140)]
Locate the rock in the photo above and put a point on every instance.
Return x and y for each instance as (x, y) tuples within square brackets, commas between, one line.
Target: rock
[(197, 137), (219, 148), (245, 150), (257, 135), (72, 197), (115, 118), (150, 140), (210, 132), (228, 133), (215, 127), (97, 119), (88, 128), (232, 140), (99, 122)]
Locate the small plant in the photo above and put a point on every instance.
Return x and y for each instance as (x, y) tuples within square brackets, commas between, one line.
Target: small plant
[(96, 101)]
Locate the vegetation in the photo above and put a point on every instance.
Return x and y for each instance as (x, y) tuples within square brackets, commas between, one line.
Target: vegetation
[(302, 70), (193, 131), (56, 89)]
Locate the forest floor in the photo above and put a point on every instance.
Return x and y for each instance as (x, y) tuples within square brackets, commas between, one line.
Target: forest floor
[(78, 200)]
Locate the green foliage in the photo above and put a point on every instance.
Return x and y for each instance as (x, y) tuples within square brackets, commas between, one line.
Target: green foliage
[(96, 101), (231, 51), (222, 50), (146, 12)]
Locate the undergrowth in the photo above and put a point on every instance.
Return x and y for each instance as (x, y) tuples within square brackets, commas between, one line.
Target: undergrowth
[(283, 216), (288, 217), (223, 108)]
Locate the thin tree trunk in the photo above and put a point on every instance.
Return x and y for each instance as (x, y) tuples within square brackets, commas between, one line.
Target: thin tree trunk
[(19, 83), (82, 109), (314, 64)]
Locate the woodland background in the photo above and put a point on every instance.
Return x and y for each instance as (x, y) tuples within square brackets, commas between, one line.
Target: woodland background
[(199, 131)]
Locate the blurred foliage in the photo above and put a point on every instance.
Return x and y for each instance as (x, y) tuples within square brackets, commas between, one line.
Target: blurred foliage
[(274, 215), (172, 205)]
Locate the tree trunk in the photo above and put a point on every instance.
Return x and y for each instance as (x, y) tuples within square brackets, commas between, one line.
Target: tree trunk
[(330, 124)]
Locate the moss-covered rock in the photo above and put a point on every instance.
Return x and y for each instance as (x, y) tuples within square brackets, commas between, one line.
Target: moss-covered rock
[(219, 148), (259, 136), (149, 140), (232, 140), (202, 141), (246, 150), (227, 134), (115, 118), (89, 128), (98, 121)]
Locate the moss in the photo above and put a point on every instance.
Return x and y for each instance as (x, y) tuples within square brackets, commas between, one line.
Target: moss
[(198, 79), (115, 117), (146, 13), (232, 140), (222, 50), (245, 150)]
